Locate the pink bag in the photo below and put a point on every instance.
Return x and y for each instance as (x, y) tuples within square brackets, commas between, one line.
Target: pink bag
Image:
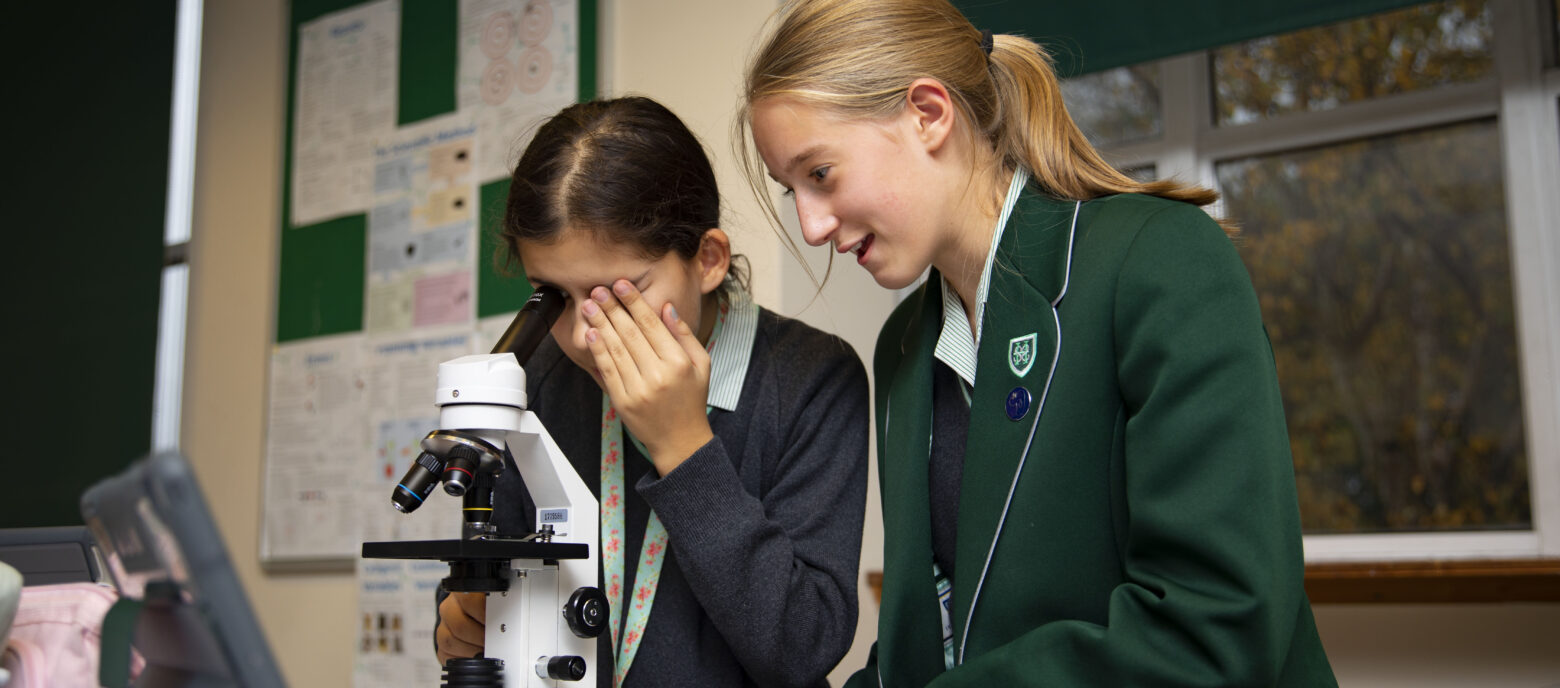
[(57, 634)]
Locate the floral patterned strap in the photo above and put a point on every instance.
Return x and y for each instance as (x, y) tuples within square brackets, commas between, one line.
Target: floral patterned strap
[(613, 506), (627, 622)]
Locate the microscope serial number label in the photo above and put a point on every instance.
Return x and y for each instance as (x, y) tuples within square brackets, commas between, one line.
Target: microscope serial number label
[(555, 515)]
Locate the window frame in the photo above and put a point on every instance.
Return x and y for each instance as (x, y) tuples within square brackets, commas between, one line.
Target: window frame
[(173, 296), (1522, 93)]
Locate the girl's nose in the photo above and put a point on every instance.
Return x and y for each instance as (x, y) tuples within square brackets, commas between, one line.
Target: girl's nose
[(817, 221)]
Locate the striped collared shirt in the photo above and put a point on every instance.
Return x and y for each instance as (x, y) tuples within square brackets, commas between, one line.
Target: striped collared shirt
[(733, 350), (956, 345)]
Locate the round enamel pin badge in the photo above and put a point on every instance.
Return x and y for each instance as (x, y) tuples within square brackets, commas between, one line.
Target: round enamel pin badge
[(1017, 403)]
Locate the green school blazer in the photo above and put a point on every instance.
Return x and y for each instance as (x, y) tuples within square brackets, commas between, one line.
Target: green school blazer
[(1137, 524)]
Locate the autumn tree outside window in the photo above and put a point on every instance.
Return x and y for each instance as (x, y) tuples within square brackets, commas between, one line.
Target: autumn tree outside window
[(1395, 177)]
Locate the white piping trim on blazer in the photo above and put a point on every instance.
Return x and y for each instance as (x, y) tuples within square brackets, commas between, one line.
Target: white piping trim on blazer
[(1072, 234)]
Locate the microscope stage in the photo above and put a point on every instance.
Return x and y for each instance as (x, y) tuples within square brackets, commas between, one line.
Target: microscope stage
[(465, 550)]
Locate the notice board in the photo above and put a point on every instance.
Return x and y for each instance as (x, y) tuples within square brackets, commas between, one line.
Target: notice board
[(403, 122)]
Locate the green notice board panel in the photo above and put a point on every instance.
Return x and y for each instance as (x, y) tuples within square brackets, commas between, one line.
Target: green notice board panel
[(501, 285), (322, 268)]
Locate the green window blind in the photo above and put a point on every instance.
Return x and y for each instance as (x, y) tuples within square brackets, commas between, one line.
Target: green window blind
[(1092, 36), (92, 91)]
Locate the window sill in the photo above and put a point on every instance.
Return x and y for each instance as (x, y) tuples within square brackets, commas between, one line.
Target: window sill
[(1414, 582), (1434, 582)]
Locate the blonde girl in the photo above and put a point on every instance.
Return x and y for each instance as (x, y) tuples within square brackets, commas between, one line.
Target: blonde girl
[(1083, 458)]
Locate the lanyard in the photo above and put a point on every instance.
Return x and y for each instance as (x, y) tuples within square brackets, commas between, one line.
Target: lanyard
[(614, 507), (945, 606), (628, 627)]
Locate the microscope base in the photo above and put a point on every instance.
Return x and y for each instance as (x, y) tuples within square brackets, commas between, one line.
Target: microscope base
[(528, 585)]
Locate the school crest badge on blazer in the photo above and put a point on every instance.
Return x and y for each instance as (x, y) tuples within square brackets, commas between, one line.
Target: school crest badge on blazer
[(1021, 354)]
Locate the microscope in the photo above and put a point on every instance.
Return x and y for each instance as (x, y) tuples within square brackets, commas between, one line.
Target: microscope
[(544, 610)]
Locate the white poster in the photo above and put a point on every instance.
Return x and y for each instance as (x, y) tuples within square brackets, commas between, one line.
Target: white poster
[(346, 421), (519, 63), (400, 374), (422, 229), (396, 597), (396, 618), (345, 98), (314, 437)]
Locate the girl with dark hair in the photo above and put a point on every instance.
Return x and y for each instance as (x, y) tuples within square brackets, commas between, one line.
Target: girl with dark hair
[(728, 443), (1085, 471)]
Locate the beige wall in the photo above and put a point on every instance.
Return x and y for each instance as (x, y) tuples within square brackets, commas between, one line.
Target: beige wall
[(689, 56), (308, 619)]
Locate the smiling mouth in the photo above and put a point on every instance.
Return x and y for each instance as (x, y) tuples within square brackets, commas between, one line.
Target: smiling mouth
[(861, 248)]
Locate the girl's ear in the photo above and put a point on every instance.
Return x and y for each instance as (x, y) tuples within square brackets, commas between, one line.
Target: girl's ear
[(931, 112), (714, 259)]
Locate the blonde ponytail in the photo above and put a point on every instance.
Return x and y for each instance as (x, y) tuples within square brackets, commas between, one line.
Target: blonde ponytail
[(857, 57), (1036, 131)]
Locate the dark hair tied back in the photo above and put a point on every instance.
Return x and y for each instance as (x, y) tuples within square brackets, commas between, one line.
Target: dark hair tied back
[(627, 169)]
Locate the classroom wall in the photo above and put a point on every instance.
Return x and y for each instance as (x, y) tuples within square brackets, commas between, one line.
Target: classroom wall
[(309, 617)]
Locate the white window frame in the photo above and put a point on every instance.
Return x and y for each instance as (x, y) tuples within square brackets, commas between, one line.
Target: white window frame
[(1521, 93), (173, 300)]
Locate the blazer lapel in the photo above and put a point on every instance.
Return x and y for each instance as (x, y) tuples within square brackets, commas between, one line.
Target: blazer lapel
[(911, 628), (1018, 344)]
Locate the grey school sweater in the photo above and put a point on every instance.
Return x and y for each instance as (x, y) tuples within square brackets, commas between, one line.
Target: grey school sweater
[(764, 521)]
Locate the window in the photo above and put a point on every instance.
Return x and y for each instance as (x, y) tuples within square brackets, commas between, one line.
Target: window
[(1417, 49), (1384, 277), (1117, 105), (1394, 179), (167, 391)]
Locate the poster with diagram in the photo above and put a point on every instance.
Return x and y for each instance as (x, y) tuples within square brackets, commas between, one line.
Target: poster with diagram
[(314, 436), (396, 616), (347, 415), (345, 96), (400, 374), (394, 212), (519, 63), (422, 228)]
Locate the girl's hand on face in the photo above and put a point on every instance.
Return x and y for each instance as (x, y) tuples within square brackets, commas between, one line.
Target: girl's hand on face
[(655, 370)]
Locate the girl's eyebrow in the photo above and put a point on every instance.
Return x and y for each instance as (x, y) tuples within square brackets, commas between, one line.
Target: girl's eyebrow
[(802, 157), (798, 159)]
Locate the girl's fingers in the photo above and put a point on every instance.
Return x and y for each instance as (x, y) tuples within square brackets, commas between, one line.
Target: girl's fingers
[(618, 370), (682, 333), (460, 631), (627, 330), (450, 646), (472, 604), (649, 324)]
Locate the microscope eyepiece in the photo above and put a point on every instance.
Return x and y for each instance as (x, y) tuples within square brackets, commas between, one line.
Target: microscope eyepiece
[(531, 324)]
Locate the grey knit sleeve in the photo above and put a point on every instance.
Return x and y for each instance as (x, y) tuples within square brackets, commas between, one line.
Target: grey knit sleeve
[(776, 573)]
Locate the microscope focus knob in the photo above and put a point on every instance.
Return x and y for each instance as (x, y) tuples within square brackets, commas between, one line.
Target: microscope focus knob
[(586, 612), (561, 668)]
